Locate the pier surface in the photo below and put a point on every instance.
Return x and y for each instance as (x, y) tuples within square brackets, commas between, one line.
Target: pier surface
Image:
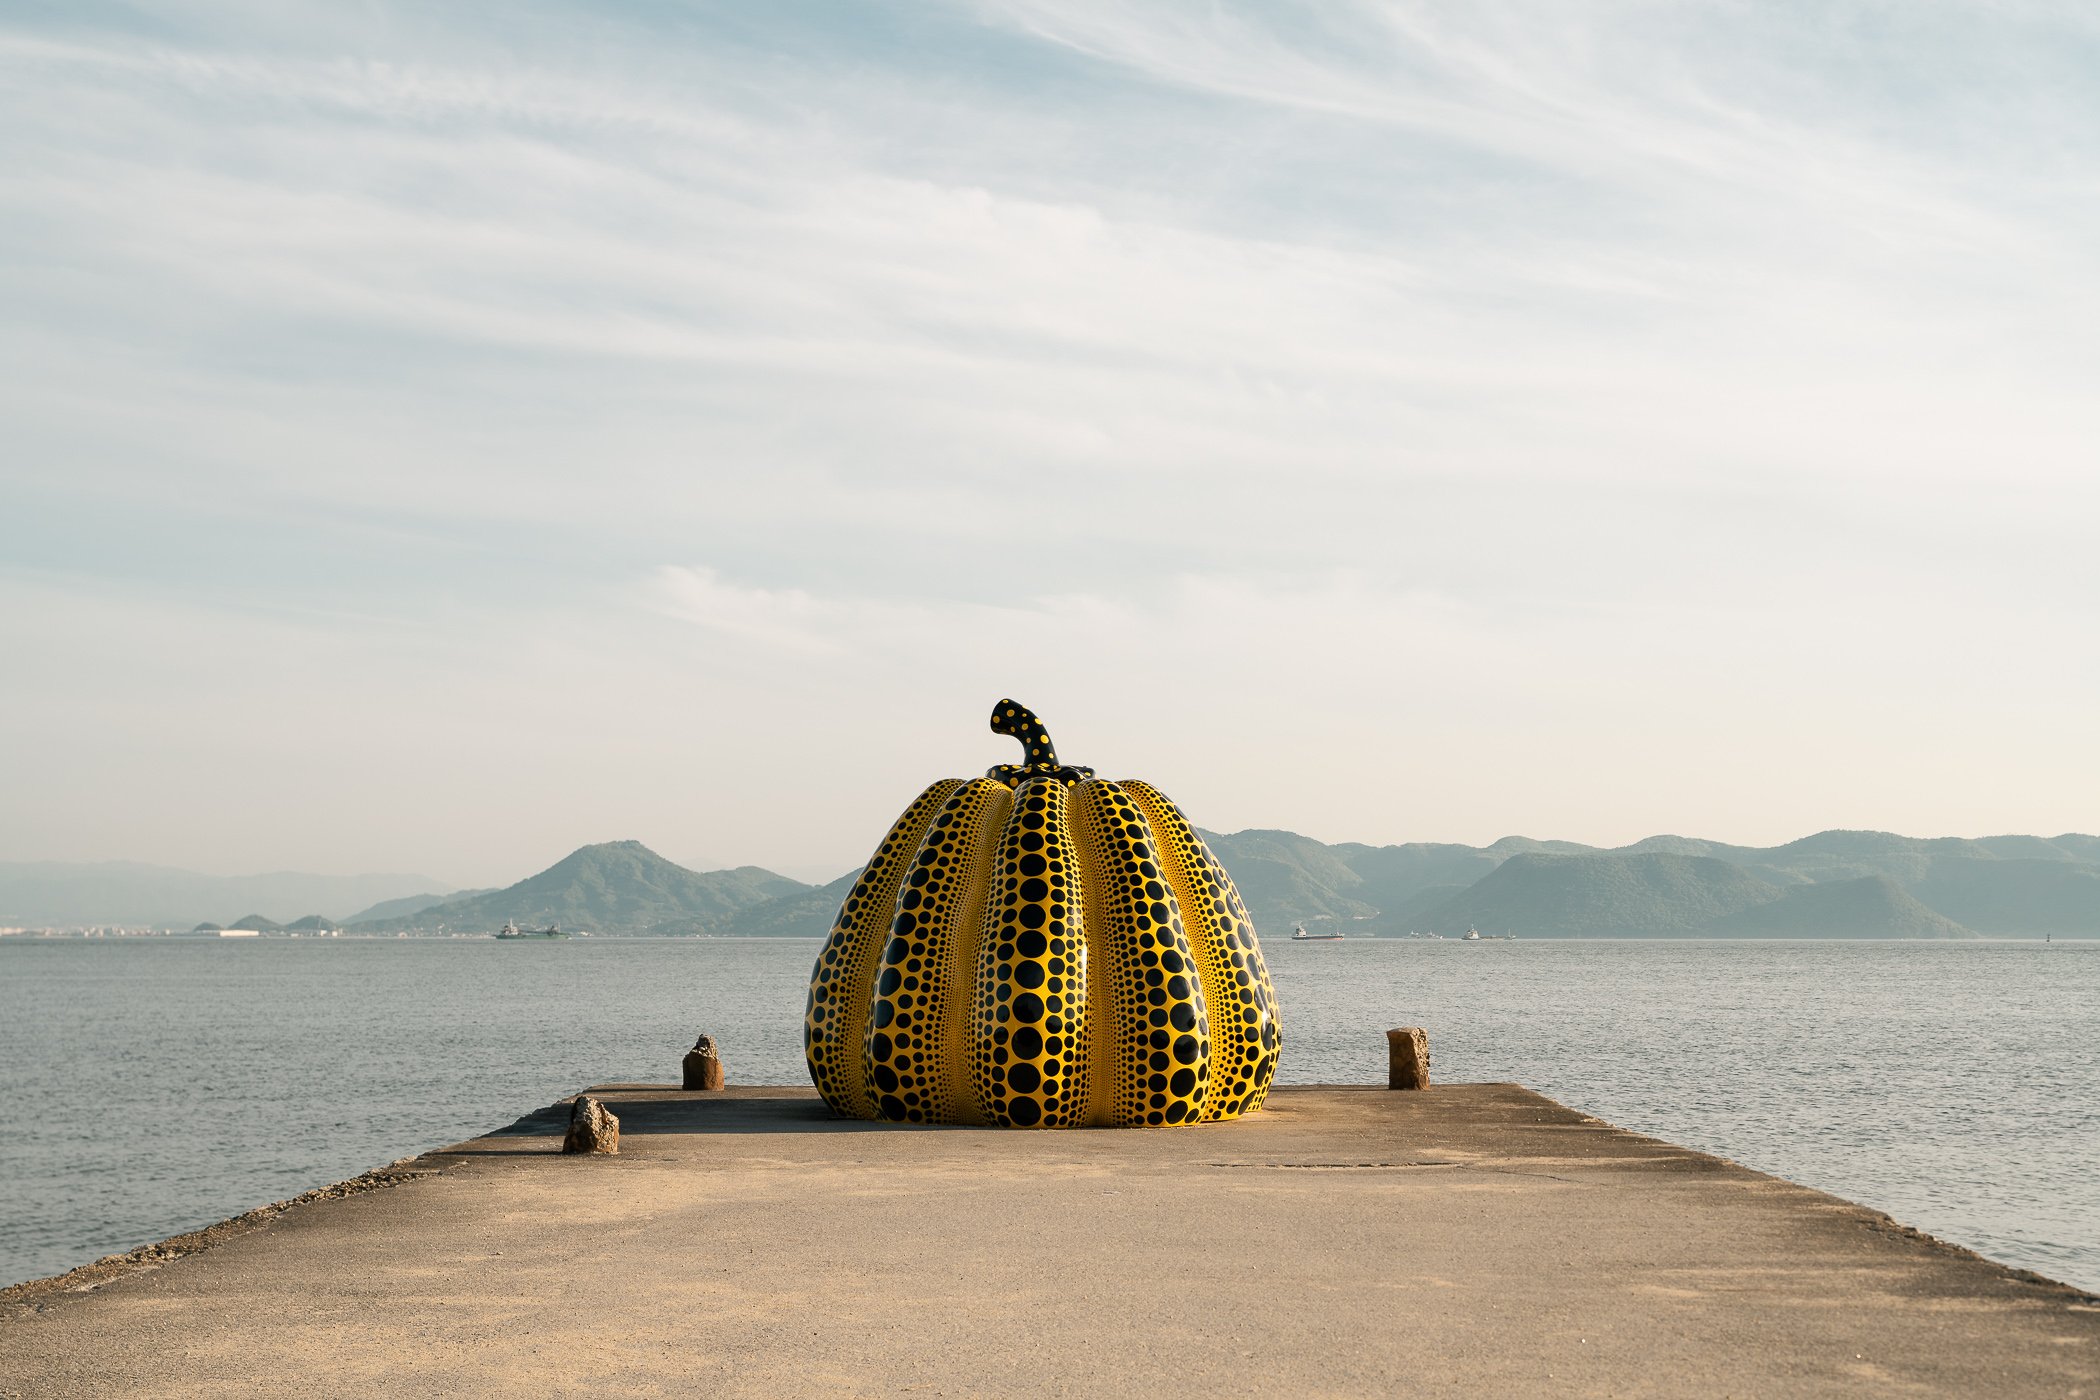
[(1474, 1240)]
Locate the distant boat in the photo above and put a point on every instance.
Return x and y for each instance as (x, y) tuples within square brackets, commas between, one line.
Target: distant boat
[(1299, 935), (510, 929), (1474, 935)]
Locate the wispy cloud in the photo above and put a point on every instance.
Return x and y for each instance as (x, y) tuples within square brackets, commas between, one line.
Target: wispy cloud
[(1292, 624), (1378, 340)]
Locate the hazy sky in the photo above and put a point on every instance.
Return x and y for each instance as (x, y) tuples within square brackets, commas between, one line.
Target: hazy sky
[(432, 438)]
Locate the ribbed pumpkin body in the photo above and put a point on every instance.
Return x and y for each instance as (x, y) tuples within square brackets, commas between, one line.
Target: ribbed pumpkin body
[(1037, 948)]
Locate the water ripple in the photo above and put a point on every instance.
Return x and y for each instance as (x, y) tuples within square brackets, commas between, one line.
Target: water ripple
[(1954, 1085)]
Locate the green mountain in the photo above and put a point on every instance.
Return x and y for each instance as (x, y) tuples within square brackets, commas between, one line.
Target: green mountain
[(2014, 896), (407, 905), (1834, 883), (1277, 870), (2069, 847), (803, 913), (1392, 875), (1602, 896), (1872, 906), (616, 887), (2019, 885), (256, 923), (1286, 878)]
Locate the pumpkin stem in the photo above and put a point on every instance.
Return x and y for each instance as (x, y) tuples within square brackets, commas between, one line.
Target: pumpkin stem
[(1013, 718), (1016, 719)]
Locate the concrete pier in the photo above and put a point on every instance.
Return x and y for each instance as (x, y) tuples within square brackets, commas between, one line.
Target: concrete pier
[(1473, 1240)]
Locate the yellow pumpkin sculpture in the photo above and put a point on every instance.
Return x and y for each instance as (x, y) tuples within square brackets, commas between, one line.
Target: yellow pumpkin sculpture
[(1041, 948)]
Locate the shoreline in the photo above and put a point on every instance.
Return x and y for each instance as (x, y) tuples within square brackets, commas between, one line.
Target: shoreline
[(1388, 1234), (90, 1276)]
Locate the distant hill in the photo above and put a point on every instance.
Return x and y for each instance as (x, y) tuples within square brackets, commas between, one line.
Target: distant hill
[(616, 887), (256, 923), (1281, 869), (1872, 906), (2022, 885), (1602, 896), (408, 905), (58, 894), (2070, 847), (1832, 884), (805, 913), (1396, 876), (2014, 896), (1286, 878)]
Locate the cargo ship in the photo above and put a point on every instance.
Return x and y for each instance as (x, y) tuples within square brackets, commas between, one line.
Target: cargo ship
[(510, 929), (1299, 935)]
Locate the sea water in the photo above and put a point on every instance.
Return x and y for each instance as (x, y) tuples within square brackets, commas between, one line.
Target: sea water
[(153, 1086)]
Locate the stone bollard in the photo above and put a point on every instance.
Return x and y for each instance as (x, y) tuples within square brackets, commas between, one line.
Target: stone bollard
[(703, 1065), (1408, 1048), (592, 1127)]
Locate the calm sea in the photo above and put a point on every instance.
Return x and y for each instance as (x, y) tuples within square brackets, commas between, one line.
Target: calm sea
[(154, 1086)]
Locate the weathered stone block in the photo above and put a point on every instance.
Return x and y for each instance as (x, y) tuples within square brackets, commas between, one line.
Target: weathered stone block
[(592, 1127), (1408, 1049), (703, 1065)]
